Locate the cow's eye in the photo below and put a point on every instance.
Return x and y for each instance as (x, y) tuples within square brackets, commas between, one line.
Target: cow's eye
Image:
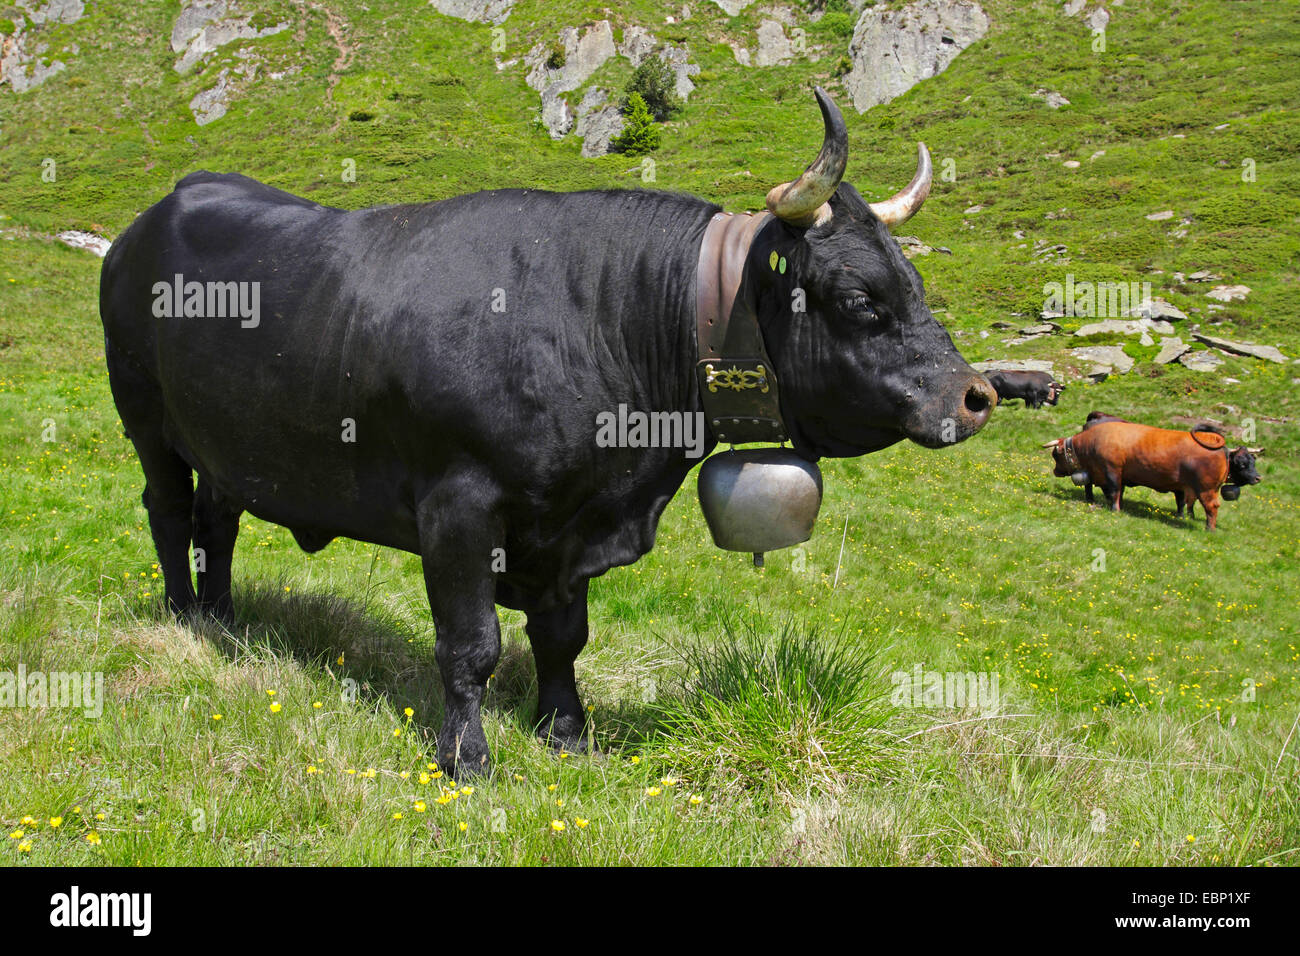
[(859, 304)]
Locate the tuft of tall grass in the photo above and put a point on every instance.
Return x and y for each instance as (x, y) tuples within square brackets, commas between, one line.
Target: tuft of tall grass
[(795, 711)]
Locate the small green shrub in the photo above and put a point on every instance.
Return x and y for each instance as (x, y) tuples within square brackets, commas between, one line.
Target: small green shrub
[(640, 135), (654, 81)]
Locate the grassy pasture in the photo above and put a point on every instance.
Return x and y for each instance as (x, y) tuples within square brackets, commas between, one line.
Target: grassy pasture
[(1147, 670)]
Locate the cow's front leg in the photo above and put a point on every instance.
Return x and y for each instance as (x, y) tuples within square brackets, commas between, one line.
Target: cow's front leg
[(456, 540), (1178, 500), (1210, 502), (558, 636), (1087, 492)]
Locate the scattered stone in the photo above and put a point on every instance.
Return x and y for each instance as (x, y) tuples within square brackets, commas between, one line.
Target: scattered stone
[(1097, 155), (1015, 365), (476, 11), (893, 50), (732, 7), (1099, 373), (1170, 349), (1072, 164), (1220, 127), (972, 210), (1203, 275), (1124, 327), (1110, 355), (1228, 293), (1098, 19), (1160, 216), (741, 54), (1054, 100), (1266, 352), (1002, 326), (1043, 328), (1158, 310), (85, 240), (1200, 361), (1074, 7)]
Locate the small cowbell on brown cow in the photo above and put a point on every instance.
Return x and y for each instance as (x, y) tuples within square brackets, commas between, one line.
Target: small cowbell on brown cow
[(1193, 465)]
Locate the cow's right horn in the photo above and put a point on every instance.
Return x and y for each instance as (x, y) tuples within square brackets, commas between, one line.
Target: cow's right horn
[(805, 201), (1051, 444)]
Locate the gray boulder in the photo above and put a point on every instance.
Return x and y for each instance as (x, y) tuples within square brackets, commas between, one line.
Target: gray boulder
[(1266, 352), (893, 50)]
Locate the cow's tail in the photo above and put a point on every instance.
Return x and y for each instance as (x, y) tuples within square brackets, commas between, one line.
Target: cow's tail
[(1213, 430)]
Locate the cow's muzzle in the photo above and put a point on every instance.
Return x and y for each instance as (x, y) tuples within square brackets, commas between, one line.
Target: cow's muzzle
[(960, 412)]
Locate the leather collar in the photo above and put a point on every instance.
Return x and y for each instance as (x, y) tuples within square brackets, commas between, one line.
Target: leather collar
[(1071, 456), (738, 385)]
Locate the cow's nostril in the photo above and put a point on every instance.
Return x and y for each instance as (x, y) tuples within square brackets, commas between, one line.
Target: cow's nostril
[(978, 399)]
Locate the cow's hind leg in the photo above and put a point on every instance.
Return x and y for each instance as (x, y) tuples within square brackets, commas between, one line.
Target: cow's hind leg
[(216, 526), (558, 636), (456, 540), (168, 482)]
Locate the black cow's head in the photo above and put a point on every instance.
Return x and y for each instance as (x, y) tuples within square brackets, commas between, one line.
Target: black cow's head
[(1241, 467), (863, 362)]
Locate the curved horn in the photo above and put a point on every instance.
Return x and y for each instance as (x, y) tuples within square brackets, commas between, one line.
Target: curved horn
[(1255, 451), (1051, 444), (805, 201), (903, 205)]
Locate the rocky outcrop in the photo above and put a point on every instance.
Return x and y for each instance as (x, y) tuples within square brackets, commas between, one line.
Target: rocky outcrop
[(210, 105), (476, 11), (25, 49), (774, 49), (893, 50), (205, 26), (582, 55), (554, 70)]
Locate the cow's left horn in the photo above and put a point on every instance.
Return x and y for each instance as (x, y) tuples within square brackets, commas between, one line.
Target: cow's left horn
[(805, 201), (901, 207), (1051, 444)]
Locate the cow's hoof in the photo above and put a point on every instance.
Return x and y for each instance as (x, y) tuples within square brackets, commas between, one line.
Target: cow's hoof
[(463, 758), (562, 734)]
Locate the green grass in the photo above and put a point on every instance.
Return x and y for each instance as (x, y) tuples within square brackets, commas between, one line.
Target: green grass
[(1148, 670)]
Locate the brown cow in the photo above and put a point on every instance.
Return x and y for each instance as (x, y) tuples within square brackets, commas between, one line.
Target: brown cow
[(1192, 465)]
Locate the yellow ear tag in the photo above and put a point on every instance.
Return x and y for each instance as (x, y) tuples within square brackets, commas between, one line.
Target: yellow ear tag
[(772, 260), (782, 265)]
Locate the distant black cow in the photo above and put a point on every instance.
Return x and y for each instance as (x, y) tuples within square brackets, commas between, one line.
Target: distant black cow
[(1035, 388)]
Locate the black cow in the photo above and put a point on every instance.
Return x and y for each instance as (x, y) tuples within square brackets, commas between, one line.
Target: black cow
[(1034, 388), (429, 377)]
